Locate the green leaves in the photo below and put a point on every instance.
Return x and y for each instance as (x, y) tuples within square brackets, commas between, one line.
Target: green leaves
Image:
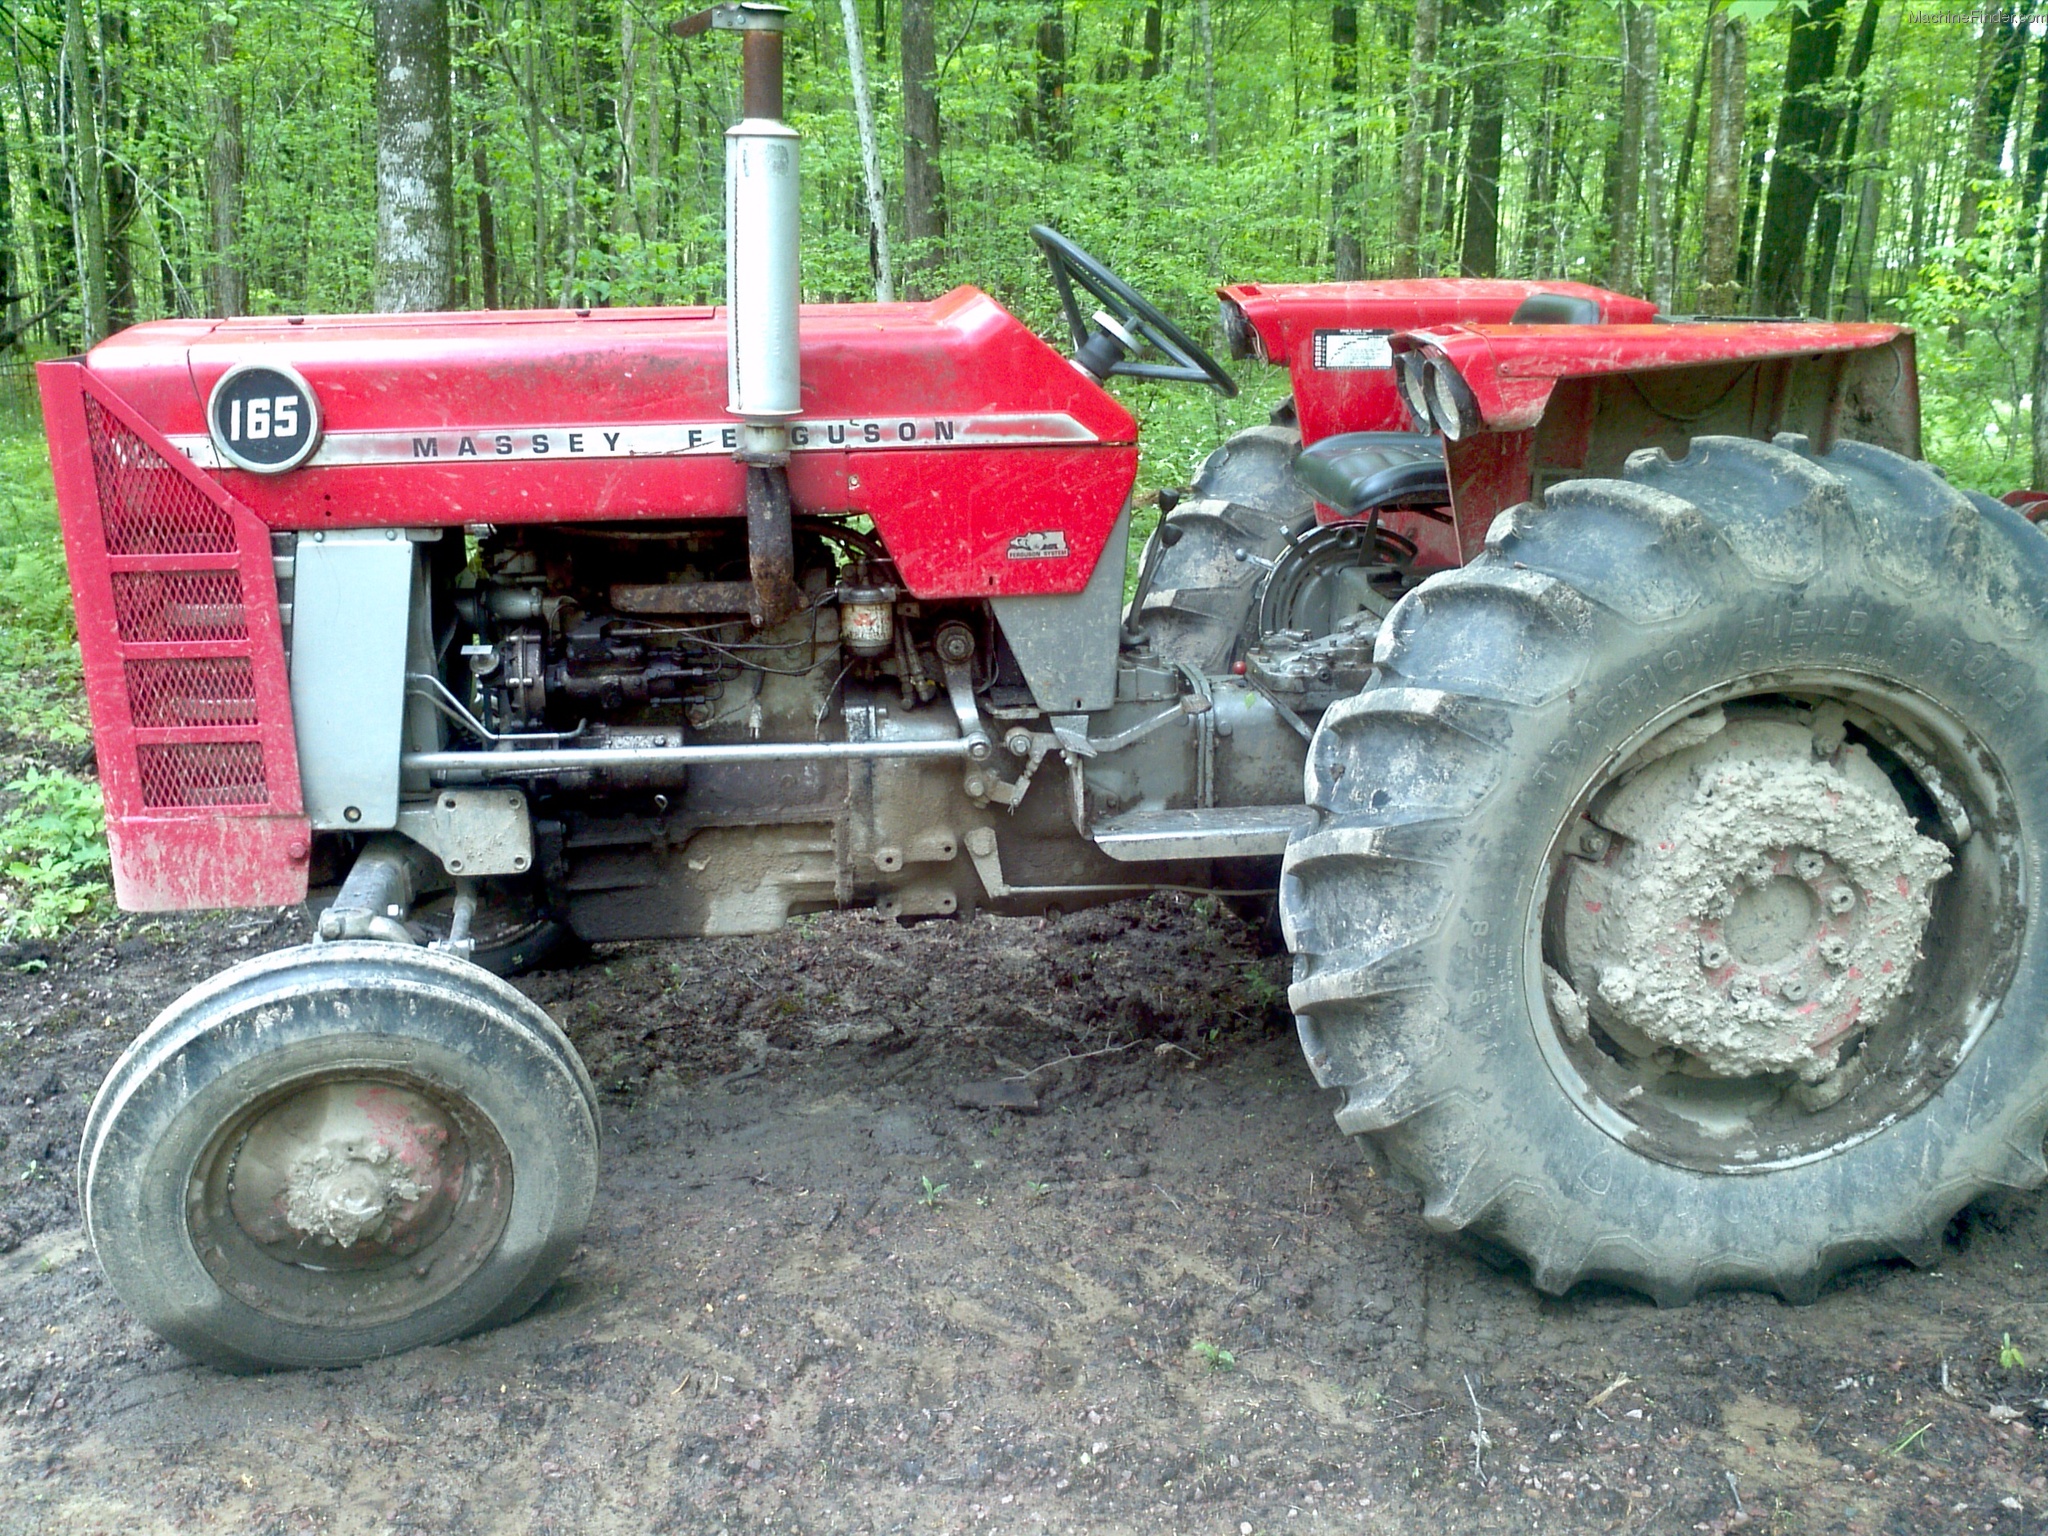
[(53, 853)]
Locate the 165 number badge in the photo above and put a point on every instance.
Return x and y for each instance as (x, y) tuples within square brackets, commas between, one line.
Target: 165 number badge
[(263, 417)]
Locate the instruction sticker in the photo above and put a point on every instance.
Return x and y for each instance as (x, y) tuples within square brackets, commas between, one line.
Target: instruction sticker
[(1341, 350)]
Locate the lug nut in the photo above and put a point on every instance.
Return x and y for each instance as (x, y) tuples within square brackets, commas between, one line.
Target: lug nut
[(1713, 956), (1809, 866), (1841, 899), (1792, 989), (1835, 952), (1761, 874), (1594, 843)]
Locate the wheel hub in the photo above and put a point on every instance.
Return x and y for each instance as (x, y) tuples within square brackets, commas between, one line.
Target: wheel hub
[(347, 1171), (1759, 905)]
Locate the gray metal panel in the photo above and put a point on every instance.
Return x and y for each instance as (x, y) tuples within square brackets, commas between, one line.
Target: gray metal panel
[(351, 608), (1068, 645), (1232, 832)]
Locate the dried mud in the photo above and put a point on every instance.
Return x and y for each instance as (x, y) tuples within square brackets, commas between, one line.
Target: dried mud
[(818, 1294)]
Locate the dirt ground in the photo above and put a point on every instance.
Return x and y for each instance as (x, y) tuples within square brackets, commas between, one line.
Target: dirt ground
[(820, 1294)]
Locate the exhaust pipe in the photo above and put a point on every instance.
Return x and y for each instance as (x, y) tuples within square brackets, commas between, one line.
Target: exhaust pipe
[(764, 385)]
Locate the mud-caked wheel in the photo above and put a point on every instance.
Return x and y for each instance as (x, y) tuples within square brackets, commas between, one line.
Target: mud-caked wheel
[(338, 1152), (1670, 918)]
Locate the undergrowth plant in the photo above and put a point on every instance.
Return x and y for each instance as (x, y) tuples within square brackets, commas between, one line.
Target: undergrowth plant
[(53, 846)]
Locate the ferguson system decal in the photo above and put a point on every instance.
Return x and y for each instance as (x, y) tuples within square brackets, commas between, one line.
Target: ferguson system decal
[(606, 440)]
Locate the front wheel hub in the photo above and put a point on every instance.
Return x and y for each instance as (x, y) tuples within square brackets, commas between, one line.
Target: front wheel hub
[(1760, 904)]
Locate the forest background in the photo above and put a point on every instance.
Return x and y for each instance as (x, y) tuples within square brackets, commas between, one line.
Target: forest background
[(1852, 158), (1855, 158)]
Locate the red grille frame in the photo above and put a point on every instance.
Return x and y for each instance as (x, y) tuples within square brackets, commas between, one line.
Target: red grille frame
[(183, 649)]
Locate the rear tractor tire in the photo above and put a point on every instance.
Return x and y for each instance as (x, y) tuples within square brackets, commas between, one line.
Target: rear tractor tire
[(338, 1152), (1669, 920)]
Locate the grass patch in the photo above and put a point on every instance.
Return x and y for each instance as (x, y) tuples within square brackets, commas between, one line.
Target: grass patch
[(53, 845)]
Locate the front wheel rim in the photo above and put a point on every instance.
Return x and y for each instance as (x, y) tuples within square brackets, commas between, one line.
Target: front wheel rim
[(349, 1198)]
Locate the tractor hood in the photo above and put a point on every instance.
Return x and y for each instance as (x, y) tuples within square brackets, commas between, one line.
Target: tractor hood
[(949, 423)]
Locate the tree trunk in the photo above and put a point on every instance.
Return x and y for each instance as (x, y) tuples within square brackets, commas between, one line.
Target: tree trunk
[(1863, 243), (230, 285), (2005, 42), (1050, 85), (924, 185), (1681, 184), (1721, 206), (1625, 189), (1828, 227), (88, 206), (1795, 161), (1650, 70), (415, 198), (2037, 142), (1148, 68), (120, 176), (479, 160), (1346, 260), (1208, 30), (1415, 146), (1480, 252), (10, 263), (1539, 221), (1758, 135), (626, 114), (2039, 381), (870, 155), (1441, 137)]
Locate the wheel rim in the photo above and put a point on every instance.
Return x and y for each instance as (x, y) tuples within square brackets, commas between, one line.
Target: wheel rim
[(349, 1197), (1740, 960)]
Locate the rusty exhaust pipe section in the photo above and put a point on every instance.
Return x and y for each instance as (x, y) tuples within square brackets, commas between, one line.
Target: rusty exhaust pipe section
[(763, 383)]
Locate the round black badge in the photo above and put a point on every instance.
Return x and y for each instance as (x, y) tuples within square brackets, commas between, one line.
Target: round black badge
[(263, 417)]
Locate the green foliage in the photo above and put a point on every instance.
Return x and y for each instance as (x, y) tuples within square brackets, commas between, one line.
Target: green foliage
[(53, 849), (53, 853), (1214, 1356), (2009, 1356), (930, 1195)]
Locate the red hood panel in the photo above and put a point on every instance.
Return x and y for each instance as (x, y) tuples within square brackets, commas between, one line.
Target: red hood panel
[(949, 422)]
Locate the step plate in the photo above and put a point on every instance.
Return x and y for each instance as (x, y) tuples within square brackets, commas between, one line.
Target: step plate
[(1236, 832)]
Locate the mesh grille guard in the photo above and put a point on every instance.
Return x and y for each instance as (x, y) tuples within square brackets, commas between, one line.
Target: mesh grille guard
[(180, 636)]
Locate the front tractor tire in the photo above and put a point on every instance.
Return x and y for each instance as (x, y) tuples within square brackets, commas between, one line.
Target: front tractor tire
[(338, 1152), (1670, 916)]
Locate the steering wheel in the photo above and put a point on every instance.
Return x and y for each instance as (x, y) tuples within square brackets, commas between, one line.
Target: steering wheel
[(1129, 322)]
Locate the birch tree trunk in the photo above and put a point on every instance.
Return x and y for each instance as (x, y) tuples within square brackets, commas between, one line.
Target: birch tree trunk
[(924, 184), (1649, 72), (1721, 206), (870, 156), (88, 203), (415, 194), (1415, 145)]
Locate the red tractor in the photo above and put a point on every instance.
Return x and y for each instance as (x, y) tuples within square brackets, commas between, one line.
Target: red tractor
[(1644, 744)]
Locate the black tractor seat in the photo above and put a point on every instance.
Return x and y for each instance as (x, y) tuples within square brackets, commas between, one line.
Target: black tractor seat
[(1359, 472)]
